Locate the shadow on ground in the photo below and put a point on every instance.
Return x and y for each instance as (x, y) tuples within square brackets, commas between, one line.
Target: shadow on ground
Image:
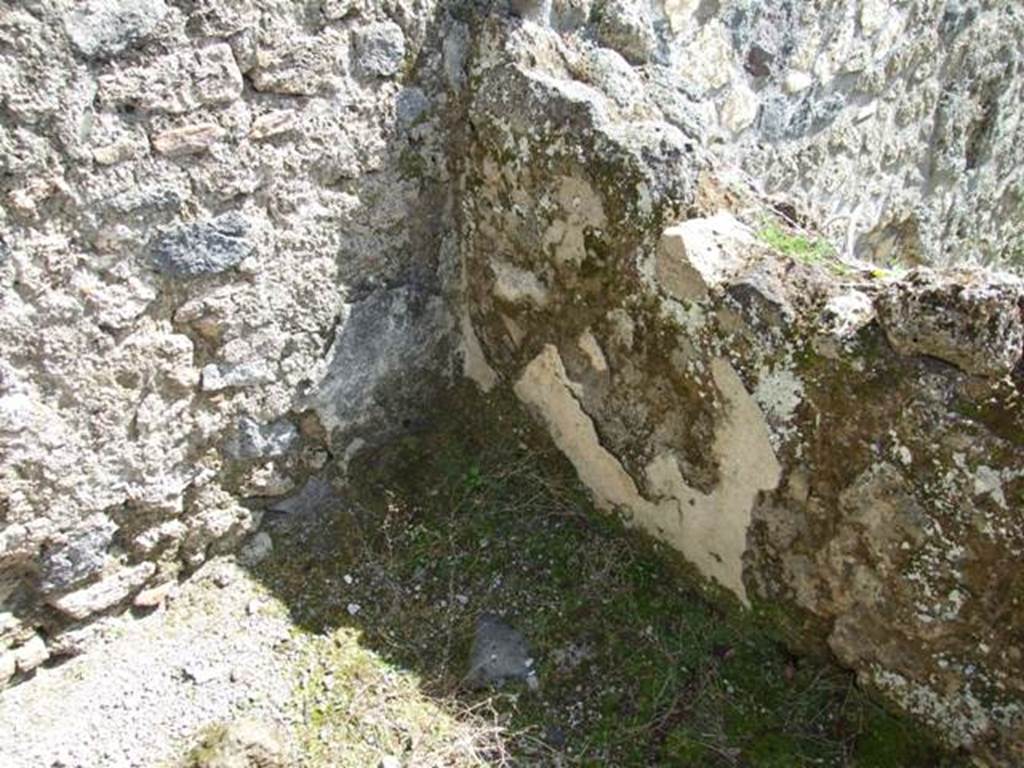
[(634, 665)]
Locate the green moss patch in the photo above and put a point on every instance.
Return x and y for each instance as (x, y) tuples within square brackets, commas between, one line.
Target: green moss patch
[(637, 667)]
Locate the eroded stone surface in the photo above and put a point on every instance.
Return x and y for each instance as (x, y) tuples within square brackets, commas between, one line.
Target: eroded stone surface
[(776, 415), (205, 248), (180, 246), (700, 254), (108, 27), (233, 234), (977, 324)]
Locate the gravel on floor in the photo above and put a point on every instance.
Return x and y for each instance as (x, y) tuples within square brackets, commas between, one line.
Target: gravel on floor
[(145, 689)]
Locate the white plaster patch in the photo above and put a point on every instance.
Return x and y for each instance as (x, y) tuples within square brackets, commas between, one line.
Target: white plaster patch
[(709, 529), (713, 527), (545, 386)]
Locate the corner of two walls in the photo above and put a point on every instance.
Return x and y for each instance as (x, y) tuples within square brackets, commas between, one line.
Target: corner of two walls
[(223, 265), (835, 440)]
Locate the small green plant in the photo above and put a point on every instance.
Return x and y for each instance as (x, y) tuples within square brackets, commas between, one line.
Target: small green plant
[(807, 249), (211, 739), (473, 479)]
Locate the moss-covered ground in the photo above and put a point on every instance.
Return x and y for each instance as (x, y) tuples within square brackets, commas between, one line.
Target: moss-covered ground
[(637, 666)]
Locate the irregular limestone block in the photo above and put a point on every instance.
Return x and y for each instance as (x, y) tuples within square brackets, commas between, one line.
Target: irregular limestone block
[(162, 536), (261, 441), (381, 49), (190, 140), (126, 147), (154, 596), (710, 61), (699, 255), (216, 78), (31, 655), (973, 321), (842, 318), (105, 593), (739, 109), (176, 83), (274, 123), (103, 28), (516, 285), (248, 374), (305, 66), (626, 26)]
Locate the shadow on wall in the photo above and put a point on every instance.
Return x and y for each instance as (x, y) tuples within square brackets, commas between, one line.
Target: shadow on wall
[(463, 558), (464, 571)]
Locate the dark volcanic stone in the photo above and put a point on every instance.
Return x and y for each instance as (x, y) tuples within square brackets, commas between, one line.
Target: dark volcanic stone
[(204, 248)]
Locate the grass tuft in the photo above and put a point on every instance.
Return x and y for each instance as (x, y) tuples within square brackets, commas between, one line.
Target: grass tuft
[(809, 250), (636, 666)]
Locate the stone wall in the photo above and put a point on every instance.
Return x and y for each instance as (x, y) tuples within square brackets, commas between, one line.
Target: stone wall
[(895, 126), (221, 258), (239, 240), (839, 447)]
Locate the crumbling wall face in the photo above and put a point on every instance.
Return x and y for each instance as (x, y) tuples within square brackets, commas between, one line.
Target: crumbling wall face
[(898, 125), (220, 238), (895, 126), (841, 448), (229, 235)]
